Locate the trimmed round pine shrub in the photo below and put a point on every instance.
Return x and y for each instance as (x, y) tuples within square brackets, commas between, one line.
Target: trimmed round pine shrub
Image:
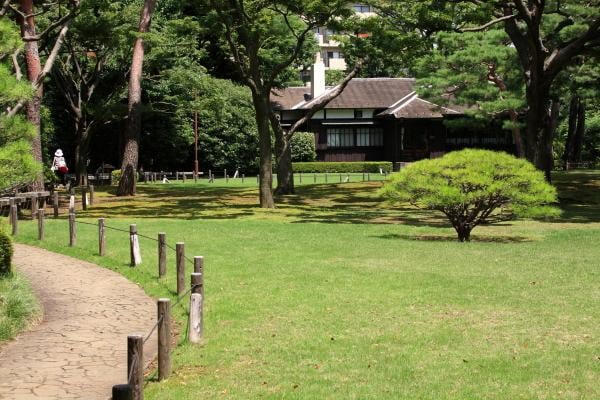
[(473, 187)]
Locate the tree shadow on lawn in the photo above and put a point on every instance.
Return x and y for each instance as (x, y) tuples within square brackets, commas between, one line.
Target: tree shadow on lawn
[(453, 238)]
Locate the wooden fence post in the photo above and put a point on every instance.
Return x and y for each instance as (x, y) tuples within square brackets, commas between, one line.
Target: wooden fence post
[(300, 176), (197, 282), (314, 178), (135, 364), (340, 178), (55, 204), (84, 199), (164, 339), (41, 224), (91, 195), (14, 217), (71, 204), (243, 177), (122, 392), (325, 177), (196, 323), (162, 254), (180, 259), (369, 177), (199, 269), (34, 205), (134, 246), (72, 231), (101, 237), (226, 177), (183, 176)]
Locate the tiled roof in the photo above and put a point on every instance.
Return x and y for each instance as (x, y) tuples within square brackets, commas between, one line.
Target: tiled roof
[(395, 95)]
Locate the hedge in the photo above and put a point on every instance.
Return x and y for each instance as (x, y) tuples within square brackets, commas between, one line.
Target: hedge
[(6, 252), (342, 167)]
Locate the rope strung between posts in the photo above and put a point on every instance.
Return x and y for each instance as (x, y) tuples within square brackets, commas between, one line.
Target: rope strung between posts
[(130, 375), (174, 305), (190, 260)]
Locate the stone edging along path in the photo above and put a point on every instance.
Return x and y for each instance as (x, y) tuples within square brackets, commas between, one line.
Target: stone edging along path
[(79, 350)]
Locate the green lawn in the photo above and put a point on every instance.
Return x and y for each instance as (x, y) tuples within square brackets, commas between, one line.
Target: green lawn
[(337, 296)]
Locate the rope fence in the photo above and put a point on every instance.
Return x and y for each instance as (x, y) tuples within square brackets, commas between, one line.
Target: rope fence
[(134, 387)]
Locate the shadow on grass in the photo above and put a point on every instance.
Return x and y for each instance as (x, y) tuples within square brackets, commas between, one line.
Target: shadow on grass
[(347, 203), (453, 238)]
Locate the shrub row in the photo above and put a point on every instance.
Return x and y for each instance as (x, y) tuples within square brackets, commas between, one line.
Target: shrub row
[(343, 167), (6, 252)]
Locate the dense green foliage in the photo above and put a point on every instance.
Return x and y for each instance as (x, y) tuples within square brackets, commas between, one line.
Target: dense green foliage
[(473, 187), (6, 253), (303, 147), (17, 165), (342, 167)]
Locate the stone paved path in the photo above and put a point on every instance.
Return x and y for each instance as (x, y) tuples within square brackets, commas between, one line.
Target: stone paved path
[(79, 350)]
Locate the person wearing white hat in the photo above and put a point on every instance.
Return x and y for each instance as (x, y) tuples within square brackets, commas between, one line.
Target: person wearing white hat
[(59, 165)]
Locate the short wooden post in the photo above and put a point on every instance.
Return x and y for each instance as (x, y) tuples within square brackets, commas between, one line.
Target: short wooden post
[(197, 282), (226, 177), (55, 204), (195, 328), (84, 199), (122, 392), (71, 204), (164, 338), (180, 258), (300, 177), (198, 269), (257, 178), (348, 178), (162, 254), (134, 246), (34, 205), (340, 178), (177, 176), (199, 264), (325, 177), (315, 178), (135, 364), (183, 176), (243, 177), (14, 217), (72, 231), (363, 176), (91, 195), (369, 177), (101, 237), (41, 217)]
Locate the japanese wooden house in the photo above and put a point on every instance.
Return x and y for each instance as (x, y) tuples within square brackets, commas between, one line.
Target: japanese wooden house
[(381, 119)]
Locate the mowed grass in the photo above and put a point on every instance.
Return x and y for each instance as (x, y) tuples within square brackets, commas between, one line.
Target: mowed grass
[(335, 295)]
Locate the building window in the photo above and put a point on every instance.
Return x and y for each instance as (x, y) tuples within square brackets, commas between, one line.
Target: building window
[(369, 137), (361, 8), (340, 137), (358, 114)]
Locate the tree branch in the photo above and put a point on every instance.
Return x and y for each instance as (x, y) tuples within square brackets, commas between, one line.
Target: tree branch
[(487, 25)]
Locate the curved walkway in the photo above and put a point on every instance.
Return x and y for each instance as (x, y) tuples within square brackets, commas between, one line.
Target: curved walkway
[(79, 350)]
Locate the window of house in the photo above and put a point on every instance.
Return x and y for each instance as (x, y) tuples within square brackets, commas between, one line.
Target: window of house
[(340, 137), (361, 8), (358, 114), (369, 137)]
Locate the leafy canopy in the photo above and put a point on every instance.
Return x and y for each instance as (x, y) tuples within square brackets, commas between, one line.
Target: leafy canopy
[(17, 165), (472, 187)]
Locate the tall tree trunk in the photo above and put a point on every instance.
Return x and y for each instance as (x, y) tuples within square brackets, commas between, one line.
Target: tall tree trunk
[(285, 172), (547, 157), (34, 69), (127, 185), (579, 133), (539, 121), (265, 188), (82, 147), (516, 134), (570, 142)]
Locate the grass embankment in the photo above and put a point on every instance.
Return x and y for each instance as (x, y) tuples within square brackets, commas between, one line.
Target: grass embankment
[(18, 307), (335, 295)]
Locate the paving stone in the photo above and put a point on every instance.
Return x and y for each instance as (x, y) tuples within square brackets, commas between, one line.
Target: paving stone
[(78, 350)]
